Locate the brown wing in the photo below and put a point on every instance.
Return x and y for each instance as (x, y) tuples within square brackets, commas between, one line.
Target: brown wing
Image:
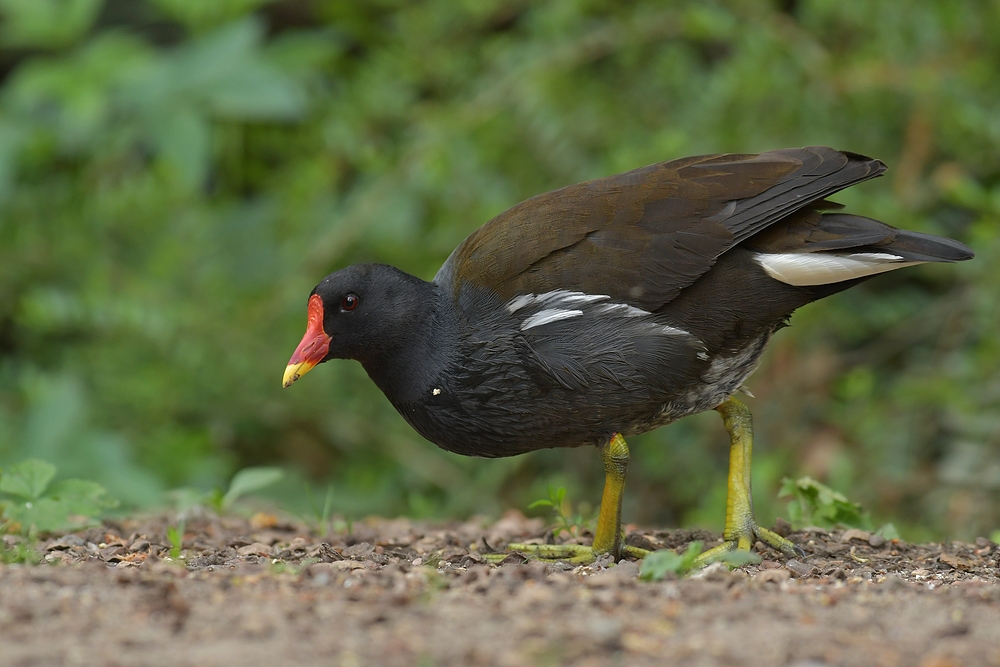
[(644, 235)]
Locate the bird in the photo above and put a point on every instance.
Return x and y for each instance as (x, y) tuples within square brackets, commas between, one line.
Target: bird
[(605, 309)]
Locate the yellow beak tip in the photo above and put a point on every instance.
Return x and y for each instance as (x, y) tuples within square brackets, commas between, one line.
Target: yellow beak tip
[(291, 375), (294, 371)]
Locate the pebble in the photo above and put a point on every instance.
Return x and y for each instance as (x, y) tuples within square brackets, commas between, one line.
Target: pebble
[(139, 545), (773, 576), (856, 534), (255, 549), (798, 568)]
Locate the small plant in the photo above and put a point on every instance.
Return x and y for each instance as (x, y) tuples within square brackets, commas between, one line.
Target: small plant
[(30, 503), (816, 504), (659, 564), (175, 535), (320, 519), (565, 520), (738, 558), (244, 482), (21, 552)]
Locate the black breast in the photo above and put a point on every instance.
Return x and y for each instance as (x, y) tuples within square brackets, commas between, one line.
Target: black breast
[(560, 369), (564, 368)]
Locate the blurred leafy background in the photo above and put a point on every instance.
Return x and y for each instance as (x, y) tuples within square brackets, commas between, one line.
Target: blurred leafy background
[(176, 175)]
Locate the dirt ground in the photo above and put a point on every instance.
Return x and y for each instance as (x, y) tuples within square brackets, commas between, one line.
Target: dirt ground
[(396, 592)]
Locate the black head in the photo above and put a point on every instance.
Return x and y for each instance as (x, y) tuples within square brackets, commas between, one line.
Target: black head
[(363, 312)]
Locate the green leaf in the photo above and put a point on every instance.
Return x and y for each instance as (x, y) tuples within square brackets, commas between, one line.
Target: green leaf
[(43, 515), (659, 564), (815, 504), (249, 480), (199, 14), (175, 535), (27, 479), (227, 71), (82, 497), (69, 504), (45, 23), (888, 532), (183, 135), (738, 558)]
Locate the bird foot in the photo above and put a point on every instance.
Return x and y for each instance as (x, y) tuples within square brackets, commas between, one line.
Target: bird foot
[(745, 538)]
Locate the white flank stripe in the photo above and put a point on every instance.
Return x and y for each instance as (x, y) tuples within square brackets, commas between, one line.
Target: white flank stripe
[(573, 297), (549, 315), (553, 298), (519, 302), (804, 269), (622, 309)]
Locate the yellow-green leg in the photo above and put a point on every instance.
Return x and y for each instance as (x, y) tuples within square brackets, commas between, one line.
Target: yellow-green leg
[(741, 530), (608, 537)]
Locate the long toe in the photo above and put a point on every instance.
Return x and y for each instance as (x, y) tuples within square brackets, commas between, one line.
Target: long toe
[(570, 553), (746, 539)]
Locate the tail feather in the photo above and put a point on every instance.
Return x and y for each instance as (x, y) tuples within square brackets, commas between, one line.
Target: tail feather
[(812, 248), (917, 247)]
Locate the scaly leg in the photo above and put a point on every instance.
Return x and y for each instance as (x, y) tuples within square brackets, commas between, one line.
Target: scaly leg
[(741, 530), (608, 537)]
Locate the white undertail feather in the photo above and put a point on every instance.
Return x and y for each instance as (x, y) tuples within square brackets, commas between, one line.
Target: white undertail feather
[(812, 268)]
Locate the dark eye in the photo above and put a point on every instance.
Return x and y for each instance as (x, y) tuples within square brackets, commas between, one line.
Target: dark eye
[(350, 302)]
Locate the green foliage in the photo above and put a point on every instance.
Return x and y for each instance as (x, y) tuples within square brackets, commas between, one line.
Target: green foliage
[(320, 518), (888, 531), (175, 535), (564, 518), (659, 564), (21, 552), (46, 23), (816, 504), (175, 178), (31, 503), (738, 558), (246, 481)]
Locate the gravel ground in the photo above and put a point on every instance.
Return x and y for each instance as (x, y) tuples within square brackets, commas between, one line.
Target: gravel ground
[(398, 592)]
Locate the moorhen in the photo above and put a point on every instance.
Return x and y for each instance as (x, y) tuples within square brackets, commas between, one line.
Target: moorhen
[(612, 307)]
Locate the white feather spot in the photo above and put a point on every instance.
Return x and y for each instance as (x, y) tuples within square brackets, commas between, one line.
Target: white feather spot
[(435, 392), (803, 269), (702, 355), (548, 316)]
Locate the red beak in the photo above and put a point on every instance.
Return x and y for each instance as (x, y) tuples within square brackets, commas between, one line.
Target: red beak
[(314, 346)]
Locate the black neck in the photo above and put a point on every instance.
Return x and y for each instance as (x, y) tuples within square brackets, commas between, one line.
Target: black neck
[(404, 371)]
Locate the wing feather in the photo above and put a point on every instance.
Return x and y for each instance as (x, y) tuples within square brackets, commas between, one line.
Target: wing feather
[(643, 236)]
